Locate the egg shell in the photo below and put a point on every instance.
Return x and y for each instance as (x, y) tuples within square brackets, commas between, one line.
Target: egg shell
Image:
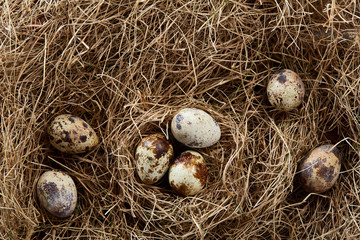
[(285, 90), (57, 193), (71, 134), (195, 128), (188, 174), (320, 168), (152, 157)]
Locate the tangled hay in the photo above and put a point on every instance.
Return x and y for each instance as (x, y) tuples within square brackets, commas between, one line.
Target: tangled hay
[(126, 67)]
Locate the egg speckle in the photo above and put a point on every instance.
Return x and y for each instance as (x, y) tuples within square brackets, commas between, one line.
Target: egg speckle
[(72, 134), (320, 169), (188, 174), (195, 128), (152, 157), (285, 90), (57, 193)]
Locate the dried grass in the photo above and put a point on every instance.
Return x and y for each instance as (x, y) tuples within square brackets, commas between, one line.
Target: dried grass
[(126, 67)]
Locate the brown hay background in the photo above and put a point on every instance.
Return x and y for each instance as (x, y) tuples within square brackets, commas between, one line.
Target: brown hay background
[(127, 67)]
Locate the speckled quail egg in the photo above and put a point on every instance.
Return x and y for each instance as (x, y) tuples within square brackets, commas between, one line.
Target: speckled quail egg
[(152, 157), (320, 168), (188, 174), (285, 90), (57, 193), (72, 134), (195, 128)]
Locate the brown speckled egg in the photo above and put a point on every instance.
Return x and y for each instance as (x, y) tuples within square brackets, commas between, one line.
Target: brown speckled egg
[(57, 193), (195, 128), (152, 157), (188, 174), (285, 90), (320, 168), (71, 134)]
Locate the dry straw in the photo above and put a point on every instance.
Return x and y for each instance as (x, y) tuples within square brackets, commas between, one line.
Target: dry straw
[(126, 67)]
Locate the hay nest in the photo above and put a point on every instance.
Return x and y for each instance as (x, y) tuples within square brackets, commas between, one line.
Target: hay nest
[(126, 67)]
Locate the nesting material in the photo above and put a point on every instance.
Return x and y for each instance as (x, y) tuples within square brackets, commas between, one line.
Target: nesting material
[(128, 68)]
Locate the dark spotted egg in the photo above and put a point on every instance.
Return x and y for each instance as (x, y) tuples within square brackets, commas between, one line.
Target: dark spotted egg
[(71, 134), (285, 90), (195, 128), (57, 193), (188, 174), (320, 169), (152, 157)]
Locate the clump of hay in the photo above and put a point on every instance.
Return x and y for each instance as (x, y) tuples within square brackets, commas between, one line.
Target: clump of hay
[(126, 67)]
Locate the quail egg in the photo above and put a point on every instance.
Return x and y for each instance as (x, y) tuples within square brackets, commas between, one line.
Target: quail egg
[(188, 174), (195, 128), (285, 90), (320, 169), (57, 193), (152, 157), (72, 134)]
